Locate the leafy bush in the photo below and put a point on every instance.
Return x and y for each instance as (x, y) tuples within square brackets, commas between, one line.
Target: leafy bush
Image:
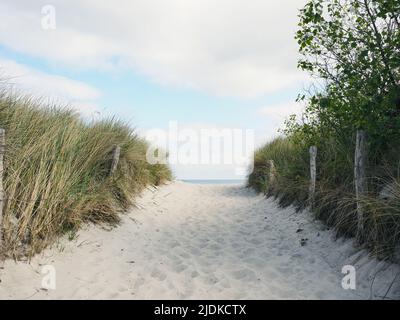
[(353, 46)]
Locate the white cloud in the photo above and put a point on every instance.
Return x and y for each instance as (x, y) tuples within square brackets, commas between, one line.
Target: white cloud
[(281, 112), (225, 47), (275, 116), (60, 89), (88, 109)]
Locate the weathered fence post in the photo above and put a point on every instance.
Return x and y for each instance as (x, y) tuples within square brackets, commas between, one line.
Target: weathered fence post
[(115, 159), (313, 174), (272, 172), (2, 151), (360, 179)]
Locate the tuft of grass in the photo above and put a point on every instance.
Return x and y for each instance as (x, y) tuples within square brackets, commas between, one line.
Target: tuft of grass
[(57, 172), (289, 161)]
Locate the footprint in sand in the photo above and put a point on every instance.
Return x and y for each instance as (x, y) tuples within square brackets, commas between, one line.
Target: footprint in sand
[(247, 252), (244, 274), (211, 280), (156, 273), (215, 247), (225, 283), (202, 244), (256, 241), (195, 251), (194, 274), (285, 270), (174, 244), (178, 268), (184, 255), (138, 283), (256, 262)]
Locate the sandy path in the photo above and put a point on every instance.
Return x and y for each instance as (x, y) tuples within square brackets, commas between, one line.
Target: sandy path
[(202, 242)]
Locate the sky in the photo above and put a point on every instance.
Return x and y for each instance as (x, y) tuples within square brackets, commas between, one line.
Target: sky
[(195, 64)]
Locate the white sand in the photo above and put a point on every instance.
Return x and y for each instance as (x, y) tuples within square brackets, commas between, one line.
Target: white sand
[(202, 242)]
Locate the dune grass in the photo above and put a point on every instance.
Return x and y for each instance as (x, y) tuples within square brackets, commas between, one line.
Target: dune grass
[(57, 172), (335, 201)]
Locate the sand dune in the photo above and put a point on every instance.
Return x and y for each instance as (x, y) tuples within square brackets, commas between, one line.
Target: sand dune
[(186, 241)]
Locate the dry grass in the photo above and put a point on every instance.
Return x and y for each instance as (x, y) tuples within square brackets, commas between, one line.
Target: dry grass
[(57, 172), (335, 201)]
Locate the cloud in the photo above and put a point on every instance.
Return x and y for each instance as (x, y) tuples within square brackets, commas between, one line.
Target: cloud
[(275, 116), (88, 109), (227, 47), (281, 111), (79, 95)]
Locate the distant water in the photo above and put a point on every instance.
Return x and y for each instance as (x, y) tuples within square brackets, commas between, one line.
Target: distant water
[(215, 181)]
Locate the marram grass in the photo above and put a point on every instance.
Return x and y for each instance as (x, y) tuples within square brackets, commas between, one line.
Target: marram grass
[(335, 201), (57, 172)]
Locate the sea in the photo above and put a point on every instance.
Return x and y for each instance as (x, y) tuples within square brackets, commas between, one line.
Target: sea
[(216, 181)]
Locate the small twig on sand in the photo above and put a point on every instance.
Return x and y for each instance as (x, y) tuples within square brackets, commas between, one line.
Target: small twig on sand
[(86, 242), (31, 295), (82, 243), (138, 206), (134, 220), (371, 293), (79, 279), (390, 287), (152, 189)]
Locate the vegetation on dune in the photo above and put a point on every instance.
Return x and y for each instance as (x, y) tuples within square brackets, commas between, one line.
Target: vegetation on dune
[(353, 46), (57, 172)]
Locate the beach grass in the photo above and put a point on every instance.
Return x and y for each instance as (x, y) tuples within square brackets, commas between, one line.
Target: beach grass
[(335, 200), (57, 172)]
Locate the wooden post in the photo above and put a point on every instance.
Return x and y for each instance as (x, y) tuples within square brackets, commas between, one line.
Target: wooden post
[(271, 178), (313, 174), (360, 179), (115, 160), (2, 151)]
